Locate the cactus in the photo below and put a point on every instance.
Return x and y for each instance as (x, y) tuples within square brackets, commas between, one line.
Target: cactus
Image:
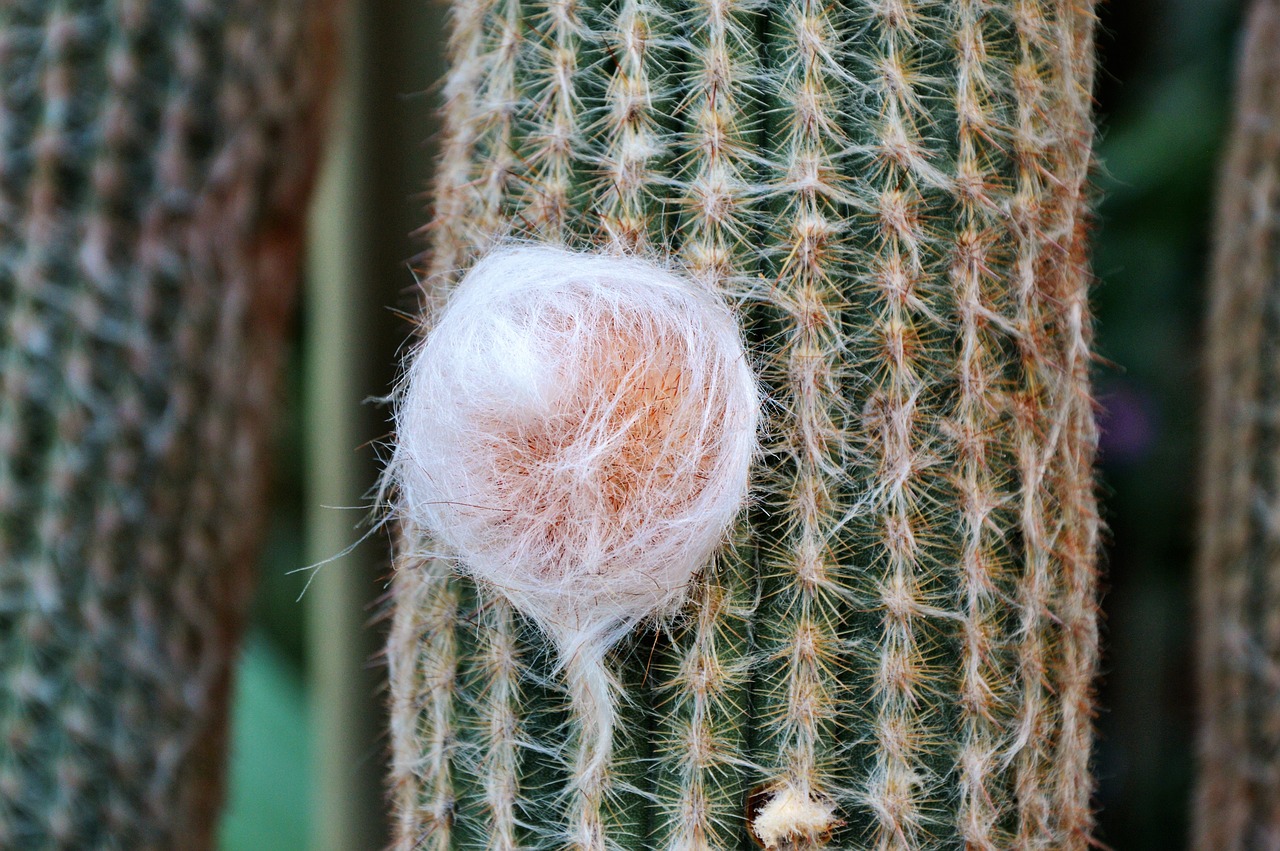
[(154, 161), (1237, 801), (896, 647)]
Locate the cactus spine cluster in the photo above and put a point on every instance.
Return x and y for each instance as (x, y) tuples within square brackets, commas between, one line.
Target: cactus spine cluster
[(154, 159), (1238, 791), (896, 650)]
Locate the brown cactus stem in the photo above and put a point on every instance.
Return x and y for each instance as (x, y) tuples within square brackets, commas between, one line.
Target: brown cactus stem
[(1238, 569)]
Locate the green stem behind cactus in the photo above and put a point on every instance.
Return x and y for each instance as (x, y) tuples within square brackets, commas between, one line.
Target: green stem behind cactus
[(154, 161), (903, 635)]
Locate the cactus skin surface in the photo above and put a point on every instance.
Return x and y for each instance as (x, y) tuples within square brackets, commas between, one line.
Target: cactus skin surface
[(1237, 798), (154, 163), (896, 650)]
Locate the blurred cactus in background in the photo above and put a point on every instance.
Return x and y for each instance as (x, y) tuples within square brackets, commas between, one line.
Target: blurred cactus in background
[(155, 157), (1238, 791), (897, 650)]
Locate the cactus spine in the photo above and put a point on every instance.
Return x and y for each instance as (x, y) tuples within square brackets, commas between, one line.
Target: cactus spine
[(1238, 791), (896, 650), (154, 158)]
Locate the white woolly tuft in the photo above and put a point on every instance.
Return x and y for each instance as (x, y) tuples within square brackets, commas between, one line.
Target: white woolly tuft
[(576, 431)]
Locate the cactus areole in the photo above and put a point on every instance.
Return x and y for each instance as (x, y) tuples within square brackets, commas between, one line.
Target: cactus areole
[(893, 646)]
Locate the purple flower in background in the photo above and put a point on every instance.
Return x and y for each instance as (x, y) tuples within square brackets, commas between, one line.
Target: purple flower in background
[(1127, 422)]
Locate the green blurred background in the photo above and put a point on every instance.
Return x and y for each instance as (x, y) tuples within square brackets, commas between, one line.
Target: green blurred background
[(308, 746)]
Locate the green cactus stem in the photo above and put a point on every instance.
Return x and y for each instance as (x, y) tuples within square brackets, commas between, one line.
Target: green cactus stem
[(896, 649), (1237, 803), (154, 162)]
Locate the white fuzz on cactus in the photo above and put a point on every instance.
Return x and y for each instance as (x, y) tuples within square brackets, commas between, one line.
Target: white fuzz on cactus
[(575, 433), (794, 816)]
